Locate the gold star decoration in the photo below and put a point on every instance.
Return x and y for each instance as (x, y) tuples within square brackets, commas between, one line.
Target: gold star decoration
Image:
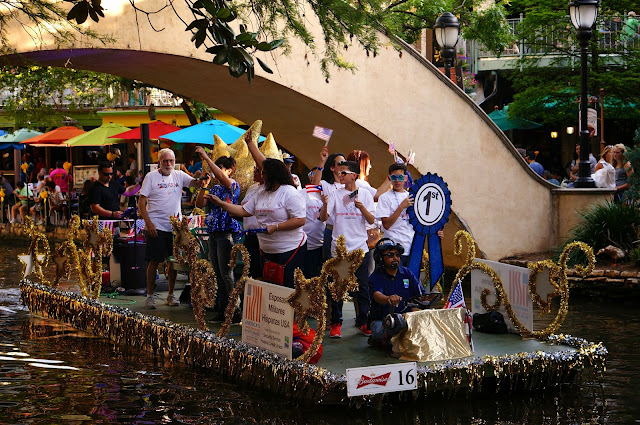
[(309, 299), (97, 245), (31, 263), (342, 268), (97, 240)]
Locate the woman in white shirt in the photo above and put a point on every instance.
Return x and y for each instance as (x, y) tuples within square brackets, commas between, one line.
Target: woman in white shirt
[(605, 174), (280, 210)]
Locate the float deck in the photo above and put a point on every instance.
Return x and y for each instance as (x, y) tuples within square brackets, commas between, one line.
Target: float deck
[(500, 363)]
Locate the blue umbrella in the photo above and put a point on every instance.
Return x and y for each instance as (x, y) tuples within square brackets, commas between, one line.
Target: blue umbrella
[(13, 140), (202, 133)]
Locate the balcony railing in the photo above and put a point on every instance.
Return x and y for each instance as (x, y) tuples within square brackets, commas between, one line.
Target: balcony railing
[(558, 40)]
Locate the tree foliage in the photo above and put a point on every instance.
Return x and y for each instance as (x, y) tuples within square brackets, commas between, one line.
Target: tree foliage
[(44, 95), (550, 94)]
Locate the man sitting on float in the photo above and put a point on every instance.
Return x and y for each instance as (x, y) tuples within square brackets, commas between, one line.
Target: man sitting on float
[(391, 284)]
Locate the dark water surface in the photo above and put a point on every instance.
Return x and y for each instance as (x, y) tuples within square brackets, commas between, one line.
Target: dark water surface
[(95, 381)]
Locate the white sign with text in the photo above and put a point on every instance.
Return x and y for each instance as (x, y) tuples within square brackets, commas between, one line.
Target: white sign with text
[(267, 319), (382, 379), (516, 284)]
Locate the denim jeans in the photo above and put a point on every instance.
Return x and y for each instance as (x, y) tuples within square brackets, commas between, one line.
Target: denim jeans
[(378, 333), (313, 263), (255, 263), (220, 244)]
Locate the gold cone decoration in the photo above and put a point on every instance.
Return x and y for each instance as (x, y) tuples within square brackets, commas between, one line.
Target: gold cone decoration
[(220, 148), (239, 148), (270, 149)]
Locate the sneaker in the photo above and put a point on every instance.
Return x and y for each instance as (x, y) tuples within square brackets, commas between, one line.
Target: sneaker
[(364, 330), (150, 303), (336, 331), (172, 300), (13, 221)]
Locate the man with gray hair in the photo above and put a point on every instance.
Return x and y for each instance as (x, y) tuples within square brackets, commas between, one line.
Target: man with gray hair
[(160, 198)]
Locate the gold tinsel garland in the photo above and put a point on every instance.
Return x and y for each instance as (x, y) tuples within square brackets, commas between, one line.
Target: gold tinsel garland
[(301, 382), (342, 269), (309, 299), (38, 239), (97, 245), (557, 277), (202, 277), (238, 290)]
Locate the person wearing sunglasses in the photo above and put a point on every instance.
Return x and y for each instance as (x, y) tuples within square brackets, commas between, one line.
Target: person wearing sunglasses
[(392, 210), (350, 208), (391, 284), (104, 195)]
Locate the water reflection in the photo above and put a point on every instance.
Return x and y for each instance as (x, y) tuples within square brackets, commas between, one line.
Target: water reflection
[(113, 384)]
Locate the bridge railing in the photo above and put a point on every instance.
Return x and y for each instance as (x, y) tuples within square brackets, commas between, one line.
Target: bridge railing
[(609, 33)]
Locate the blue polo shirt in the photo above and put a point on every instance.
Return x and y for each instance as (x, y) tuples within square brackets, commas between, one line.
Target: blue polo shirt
[(404, 283)]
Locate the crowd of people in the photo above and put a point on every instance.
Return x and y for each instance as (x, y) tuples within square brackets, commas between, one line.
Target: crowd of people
[(285, 227), (611, 171)]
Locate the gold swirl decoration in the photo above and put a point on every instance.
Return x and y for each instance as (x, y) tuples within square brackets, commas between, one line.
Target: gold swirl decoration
[(204, 285), (234, 297), (557, 278), (35, 260), (97, 245), (65, 255)]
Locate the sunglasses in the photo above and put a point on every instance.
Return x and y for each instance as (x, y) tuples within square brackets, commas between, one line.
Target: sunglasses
[(397, 177), (391, 254), (344, 173), (106, 174)]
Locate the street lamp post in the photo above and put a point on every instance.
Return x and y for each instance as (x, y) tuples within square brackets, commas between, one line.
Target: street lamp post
[(447, 29), (583, 16)]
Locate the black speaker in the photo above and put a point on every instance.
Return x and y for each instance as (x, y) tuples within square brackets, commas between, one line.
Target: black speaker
[(133, 268)]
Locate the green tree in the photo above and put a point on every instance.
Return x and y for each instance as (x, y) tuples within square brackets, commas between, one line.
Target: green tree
[(549, 94), (45, 95)]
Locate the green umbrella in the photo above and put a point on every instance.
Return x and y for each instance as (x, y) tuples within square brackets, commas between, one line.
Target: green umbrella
[(99, 136), (504, 122), (19, 135)]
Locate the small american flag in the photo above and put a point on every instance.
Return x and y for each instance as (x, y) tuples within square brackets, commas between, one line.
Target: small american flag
[(313, 188), (392, 148), (322, 133), (351, 197), (106, 224), (411, 157), (253, 303), (136, 228), (457, 297)]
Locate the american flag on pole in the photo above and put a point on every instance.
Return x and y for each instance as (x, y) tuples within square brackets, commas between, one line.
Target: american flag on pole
[(392, 148), (322, 133), (106, 224), (457, 297)]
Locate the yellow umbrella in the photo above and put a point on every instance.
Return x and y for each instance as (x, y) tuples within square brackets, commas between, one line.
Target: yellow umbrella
[(99, 136)]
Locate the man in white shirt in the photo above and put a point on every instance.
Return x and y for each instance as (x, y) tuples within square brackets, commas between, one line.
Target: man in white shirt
[(160, 198), (350, 209)]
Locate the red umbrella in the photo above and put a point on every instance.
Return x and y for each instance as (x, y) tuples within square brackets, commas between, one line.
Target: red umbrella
[(55, 137), (157, 129)]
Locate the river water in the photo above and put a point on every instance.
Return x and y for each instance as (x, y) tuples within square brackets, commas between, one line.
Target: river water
[(53, 374)]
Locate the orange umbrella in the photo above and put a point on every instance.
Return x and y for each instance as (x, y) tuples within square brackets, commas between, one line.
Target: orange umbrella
[(55, 137)]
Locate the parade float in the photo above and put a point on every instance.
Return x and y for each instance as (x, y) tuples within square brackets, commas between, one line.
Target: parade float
[(438, 354)]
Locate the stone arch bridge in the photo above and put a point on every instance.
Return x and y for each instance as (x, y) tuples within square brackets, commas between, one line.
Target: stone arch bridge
[(398, 96)]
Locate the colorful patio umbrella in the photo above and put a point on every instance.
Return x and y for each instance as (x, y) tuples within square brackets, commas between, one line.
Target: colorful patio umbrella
[(9, 145), (19, 135), (203, 133), (54, 137), (99, 136), (156, 129), (505, 123)]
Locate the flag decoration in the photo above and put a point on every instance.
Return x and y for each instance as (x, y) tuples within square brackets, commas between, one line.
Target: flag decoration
[(196, 221), (253, 303), (457, 297), (106, 224), (313, 188), (136, 228), (411, 157), (322, 133), (392, 148)]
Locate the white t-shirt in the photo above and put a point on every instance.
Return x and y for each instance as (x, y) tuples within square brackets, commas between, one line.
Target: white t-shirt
[(365, 185), (328, 189), (276, 207), (251, 222), (402, 231), (313, 227), (164, 195), (349, 220)]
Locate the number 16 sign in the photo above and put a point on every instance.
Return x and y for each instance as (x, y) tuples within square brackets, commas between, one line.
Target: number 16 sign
[(429, 213)]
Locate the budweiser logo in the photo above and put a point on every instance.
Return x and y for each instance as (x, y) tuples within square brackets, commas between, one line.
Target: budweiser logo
[(374, 380)]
